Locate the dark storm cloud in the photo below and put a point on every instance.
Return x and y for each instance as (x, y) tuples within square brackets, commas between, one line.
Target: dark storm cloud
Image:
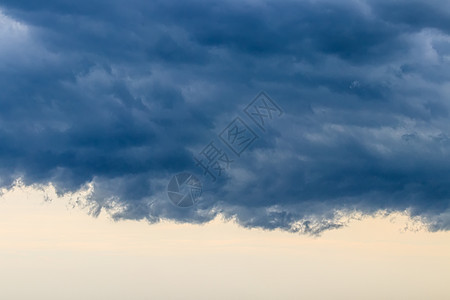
[(122, 95)]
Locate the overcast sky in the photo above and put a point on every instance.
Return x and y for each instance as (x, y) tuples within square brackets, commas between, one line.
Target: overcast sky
[(119, 96)]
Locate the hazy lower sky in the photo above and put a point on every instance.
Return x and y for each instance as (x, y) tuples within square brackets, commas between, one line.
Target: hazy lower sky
[(51, 251)]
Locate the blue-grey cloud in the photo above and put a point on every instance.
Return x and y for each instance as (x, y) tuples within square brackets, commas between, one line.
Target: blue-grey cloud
[(122, 95)]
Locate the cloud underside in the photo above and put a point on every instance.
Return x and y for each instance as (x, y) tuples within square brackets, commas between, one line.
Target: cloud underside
[(121, 95)]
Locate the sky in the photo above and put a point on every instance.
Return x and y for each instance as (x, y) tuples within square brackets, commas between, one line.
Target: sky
[(293, 118), (121, 96)]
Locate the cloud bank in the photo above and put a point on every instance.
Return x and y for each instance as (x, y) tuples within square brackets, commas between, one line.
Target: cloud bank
[(121, 96)]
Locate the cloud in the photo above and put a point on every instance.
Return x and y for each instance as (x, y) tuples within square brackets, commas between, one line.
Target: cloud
[(123, 95)]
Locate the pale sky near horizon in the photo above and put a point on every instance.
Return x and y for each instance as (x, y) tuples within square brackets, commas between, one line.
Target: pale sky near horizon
[(51, 251)]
